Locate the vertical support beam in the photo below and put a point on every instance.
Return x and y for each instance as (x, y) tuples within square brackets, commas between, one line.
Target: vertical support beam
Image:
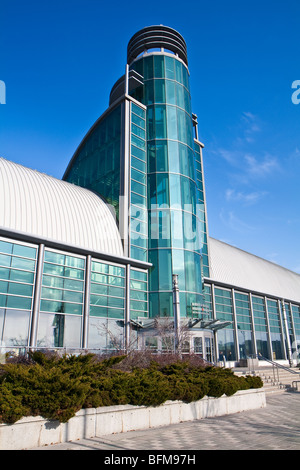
[(176, 311), (37, 297), (86, 307)]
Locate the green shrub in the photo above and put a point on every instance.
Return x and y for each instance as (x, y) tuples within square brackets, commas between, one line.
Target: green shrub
[(57, 387)]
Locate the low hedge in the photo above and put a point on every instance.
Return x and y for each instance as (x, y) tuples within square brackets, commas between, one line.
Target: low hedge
[(57, 387)]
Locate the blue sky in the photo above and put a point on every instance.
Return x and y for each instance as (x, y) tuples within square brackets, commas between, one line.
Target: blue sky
[(59, 60)]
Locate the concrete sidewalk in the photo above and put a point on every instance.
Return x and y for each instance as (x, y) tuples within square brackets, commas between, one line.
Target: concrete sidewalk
[(276, 427)]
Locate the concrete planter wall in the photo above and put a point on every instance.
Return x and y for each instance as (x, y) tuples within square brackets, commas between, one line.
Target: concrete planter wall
[(35, 432)]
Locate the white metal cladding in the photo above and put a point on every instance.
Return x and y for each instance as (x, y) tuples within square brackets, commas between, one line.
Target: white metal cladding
[(235, 267), (40, 205)]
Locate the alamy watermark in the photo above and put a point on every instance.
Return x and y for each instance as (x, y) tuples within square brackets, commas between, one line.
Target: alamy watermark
[(296, 95), (2, 92)]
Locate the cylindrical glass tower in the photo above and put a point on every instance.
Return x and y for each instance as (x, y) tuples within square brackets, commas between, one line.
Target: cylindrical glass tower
[(174, 225)]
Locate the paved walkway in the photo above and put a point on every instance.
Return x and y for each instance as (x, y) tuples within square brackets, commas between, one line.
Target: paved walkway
[(276, 427)]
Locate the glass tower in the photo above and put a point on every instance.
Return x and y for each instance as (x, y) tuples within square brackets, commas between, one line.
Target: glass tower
[(144, 158)]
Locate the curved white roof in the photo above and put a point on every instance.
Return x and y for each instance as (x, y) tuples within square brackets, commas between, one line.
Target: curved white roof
[(42, 206), (235, 267)]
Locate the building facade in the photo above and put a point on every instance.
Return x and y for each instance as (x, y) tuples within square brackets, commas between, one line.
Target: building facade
[(99, 260)]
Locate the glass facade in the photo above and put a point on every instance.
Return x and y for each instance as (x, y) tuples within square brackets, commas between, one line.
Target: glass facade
[(175, 227), (69, 293), (17, 278), (244, 325), (138, 294), (96, 164), (138, 184), (61, 307)]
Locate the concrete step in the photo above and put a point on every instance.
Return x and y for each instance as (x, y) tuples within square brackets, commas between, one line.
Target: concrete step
[(273, 381)]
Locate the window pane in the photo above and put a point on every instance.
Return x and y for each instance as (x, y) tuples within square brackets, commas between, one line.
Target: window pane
[(160, 91), (170, 70), (170, 92), (159, 66)]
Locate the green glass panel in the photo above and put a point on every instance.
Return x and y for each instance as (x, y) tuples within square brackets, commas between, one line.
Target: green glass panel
[(173, 153), (159, 66), (69, 296), (162, 181), (151, 156), (138, 253), (140, 143), (6, 247), (25, 251), (116, 281), (162, 155), (53, 294), (172, 122), (137, 199), (18, 302), (170, 92), (150, 123), (178, 71), (21, 276), (138, 176), (160, 91), (98, 300), (116, 291), (21, 263), (56, 258), (165, 269), (165, 304), (20, 289), (148, 67), (138, 110), (115, 302), (160, 122), (138, 120), (180, 95), (138, 187), (115, 313), (5, 260), (53, 269), (99, 289), (138, 164), (138, 131), (149, 92), (3, 300), (4, 273), (97, 311), (3, 287), (170, 67), (139, 276), (138, 305)]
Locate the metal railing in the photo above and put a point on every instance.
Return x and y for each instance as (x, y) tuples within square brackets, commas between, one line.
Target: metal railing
[(275, 366)]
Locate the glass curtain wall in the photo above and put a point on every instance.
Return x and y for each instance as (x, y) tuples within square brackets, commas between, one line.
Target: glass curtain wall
[(201, 208), (17, 278), (275, 329), (243, 321), (96, 164), (224, 311), (174, 242), (61, 307), (261, 327), (138, 185), (107, 306)]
